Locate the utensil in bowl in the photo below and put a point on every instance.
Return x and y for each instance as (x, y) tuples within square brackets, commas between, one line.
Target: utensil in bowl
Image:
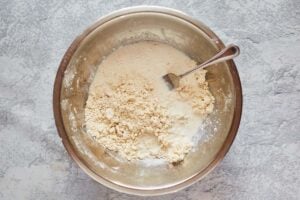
[(228, 53)]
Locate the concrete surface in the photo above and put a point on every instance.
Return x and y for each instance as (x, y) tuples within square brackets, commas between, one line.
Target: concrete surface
[(264, 161)]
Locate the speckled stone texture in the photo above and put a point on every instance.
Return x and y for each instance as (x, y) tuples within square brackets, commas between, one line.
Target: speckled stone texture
[(264, 161)]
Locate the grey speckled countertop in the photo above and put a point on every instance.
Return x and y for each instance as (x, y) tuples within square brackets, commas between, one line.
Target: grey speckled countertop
[(264, 161)]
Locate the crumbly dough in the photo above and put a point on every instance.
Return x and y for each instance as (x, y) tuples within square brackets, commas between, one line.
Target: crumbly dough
[(131, 111), (196, 93)]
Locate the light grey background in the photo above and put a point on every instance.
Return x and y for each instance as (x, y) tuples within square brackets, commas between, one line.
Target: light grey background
[(264, 161)]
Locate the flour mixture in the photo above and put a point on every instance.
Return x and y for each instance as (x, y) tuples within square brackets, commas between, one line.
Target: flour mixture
[(131, 111)]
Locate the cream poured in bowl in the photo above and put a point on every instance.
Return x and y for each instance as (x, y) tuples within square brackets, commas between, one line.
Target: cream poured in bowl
[(130, 110)]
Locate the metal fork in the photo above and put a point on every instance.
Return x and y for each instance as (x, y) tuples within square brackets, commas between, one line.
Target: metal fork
[(228, 53)]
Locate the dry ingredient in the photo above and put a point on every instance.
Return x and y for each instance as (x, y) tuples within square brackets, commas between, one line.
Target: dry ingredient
[(197, 93), (131, 111)]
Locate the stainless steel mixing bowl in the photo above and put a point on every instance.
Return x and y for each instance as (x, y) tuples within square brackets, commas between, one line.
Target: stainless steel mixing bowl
[(76, 72)]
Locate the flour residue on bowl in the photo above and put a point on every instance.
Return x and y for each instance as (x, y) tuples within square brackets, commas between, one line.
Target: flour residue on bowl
[(131, 111)]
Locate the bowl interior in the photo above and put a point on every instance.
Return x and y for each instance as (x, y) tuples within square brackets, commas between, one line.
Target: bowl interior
[(98, 42)]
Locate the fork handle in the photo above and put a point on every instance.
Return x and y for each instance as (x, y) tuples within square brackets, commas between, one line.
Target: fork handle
[(228, 53)]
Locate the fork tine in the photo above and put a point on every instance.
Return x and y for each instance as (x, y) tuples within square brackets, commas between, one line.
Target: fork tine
[(172, 80), (168, 81)]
